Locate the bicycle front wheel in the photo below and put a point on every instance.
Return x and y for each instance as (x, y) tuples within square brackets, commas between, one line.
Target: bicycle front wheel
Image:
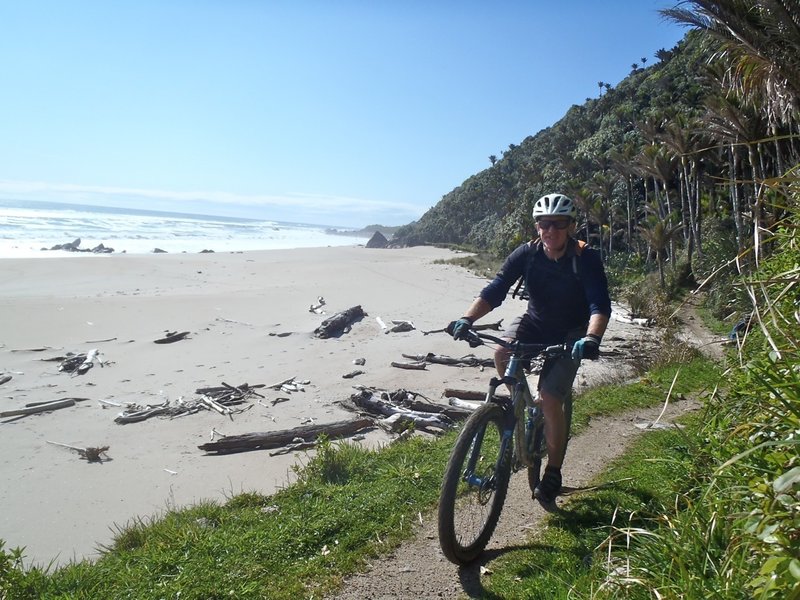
[(474, 486)]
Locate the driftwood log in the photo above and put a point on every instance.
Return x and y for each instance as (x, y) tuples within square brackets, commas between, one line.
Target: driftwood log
[(469, 360), (171, 337), (400, 408), (413, 366), (37, 407), (285, 437), (5, 378), (339, 323)]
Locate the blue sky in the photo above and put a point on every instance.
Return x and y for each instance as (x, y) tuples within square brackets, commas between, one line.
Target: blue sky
[(337, 112)]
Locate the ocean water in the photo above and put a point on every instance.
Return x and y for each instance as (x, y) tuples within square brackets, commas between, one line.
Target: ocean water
[(26, 227)]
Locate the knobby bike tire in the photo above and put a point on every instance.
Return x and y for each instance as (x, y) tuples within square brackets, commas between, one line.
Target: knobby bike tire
[(468, 514)]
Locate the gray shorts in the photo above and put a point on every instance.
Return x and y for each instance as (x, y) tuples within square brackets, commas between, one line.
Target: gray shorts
[(557, 374)]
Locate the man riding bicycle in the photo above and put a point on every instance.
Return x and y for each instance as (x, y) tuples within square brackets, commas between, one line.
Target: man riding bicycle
[(568, 303)]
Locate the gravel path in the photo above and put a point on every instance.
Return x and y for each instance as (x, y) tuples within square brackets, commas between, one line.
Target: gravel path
[(417, 569)]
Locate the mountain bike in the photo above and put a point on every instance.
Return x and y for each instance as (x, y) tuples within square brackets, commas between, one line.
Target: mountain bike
[(504, 434)]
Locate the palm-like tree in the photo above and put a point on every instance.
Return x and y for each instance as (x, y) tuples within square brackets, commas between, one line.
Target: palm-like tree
[(761, 39), (659, 235)]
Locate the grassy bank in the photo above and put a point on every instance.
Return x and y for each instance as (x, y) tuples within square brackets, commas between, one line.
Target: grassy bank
[(348, 505)]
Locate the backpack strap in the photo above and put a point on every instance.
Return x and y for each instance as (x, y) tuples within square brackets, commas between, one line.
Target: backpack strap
[(519, 289), (579, 247)]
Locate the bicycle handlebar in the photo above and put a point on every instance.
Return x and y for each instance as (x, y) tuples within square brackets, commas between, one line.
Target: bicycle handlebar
[(475, 339)]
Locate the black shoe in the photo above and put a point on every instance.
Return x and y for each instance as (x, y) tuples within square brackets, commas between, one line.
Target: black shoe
[(549, 487)]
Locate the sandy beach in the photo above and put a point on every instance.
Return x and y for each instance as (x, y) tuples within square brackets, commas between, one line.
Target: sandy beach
[(249, 322)]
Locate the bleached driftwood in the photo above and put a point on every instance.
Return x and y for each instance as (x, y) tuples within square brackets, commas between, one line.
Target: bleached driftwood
[(466, 405), (138, 413), (386, 405), (401, 421), (317, 308), (91, 454), (417, 366), (276, 439), (469, 360), (468, 394), (38, 407), (631, 320)]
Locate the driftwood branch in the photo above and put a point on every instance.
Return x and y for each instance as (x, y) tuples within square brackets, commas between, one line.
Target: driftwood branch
[(400, 408), (469, 360), (415, 366), (277, 439), (482, 327), (91, 454), (172, 336)]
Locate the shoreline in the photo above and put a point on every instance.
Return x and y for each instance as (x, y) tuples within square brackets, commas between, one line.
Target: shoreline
[(249, 322)]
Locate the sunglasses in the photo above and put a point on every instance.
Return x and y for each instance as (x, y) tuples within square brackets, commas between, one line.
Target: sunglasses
[(546, 225)]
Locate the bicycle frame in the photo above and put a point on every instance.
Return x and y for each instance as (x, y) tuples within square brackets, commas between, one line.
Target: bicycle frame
[(502, 435), (519, 407)]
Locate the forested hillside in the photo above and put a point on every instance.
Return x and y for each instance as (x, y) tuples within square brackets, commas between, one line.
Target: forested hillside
[(673, 165), (688, 170)]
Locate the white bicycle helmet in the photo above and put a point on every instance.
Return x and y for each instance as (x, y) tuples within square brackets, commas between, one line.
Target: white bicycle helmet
[(555, 205)]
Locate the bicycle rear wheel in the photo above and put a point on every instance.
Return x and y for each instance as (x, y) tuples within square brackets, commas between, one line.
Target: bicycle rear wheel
[(540, 447), (474, 486)]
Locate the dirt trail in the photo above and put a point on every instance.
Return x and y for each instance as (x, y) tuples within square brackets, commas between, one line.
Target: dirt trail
[(417, 569)]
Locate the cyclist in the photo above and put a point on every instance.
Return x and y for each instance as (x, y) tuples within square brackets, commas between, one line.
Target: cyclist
[(568, 303)]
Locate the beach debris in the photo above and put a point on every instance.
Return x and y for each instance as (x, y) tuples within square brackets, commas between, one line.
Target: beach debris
[(400, 326), (224, 320), (381, 323), (468, 360), (100, 341), (172, 336), (90, 454), (416, 366), (221, 399), (305, 434), (39, 349), (360, 361), (279, 400), (5, 378), (317, 308), (79, 364), (482, 327), (282, 334), (340, 323), (400, 409), (290, 385), (352, 374), (38, 407), (159, 251)]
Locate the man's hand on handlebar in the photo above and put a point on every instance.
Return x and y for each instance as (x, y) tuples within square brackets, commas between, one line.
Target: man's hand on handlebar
[(460, 329), (587, 347)]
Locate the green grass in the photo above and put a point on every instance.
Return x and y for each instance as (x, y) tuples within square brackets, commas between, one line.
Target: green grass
[(568, 559), (349, 504), (477, 263)]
